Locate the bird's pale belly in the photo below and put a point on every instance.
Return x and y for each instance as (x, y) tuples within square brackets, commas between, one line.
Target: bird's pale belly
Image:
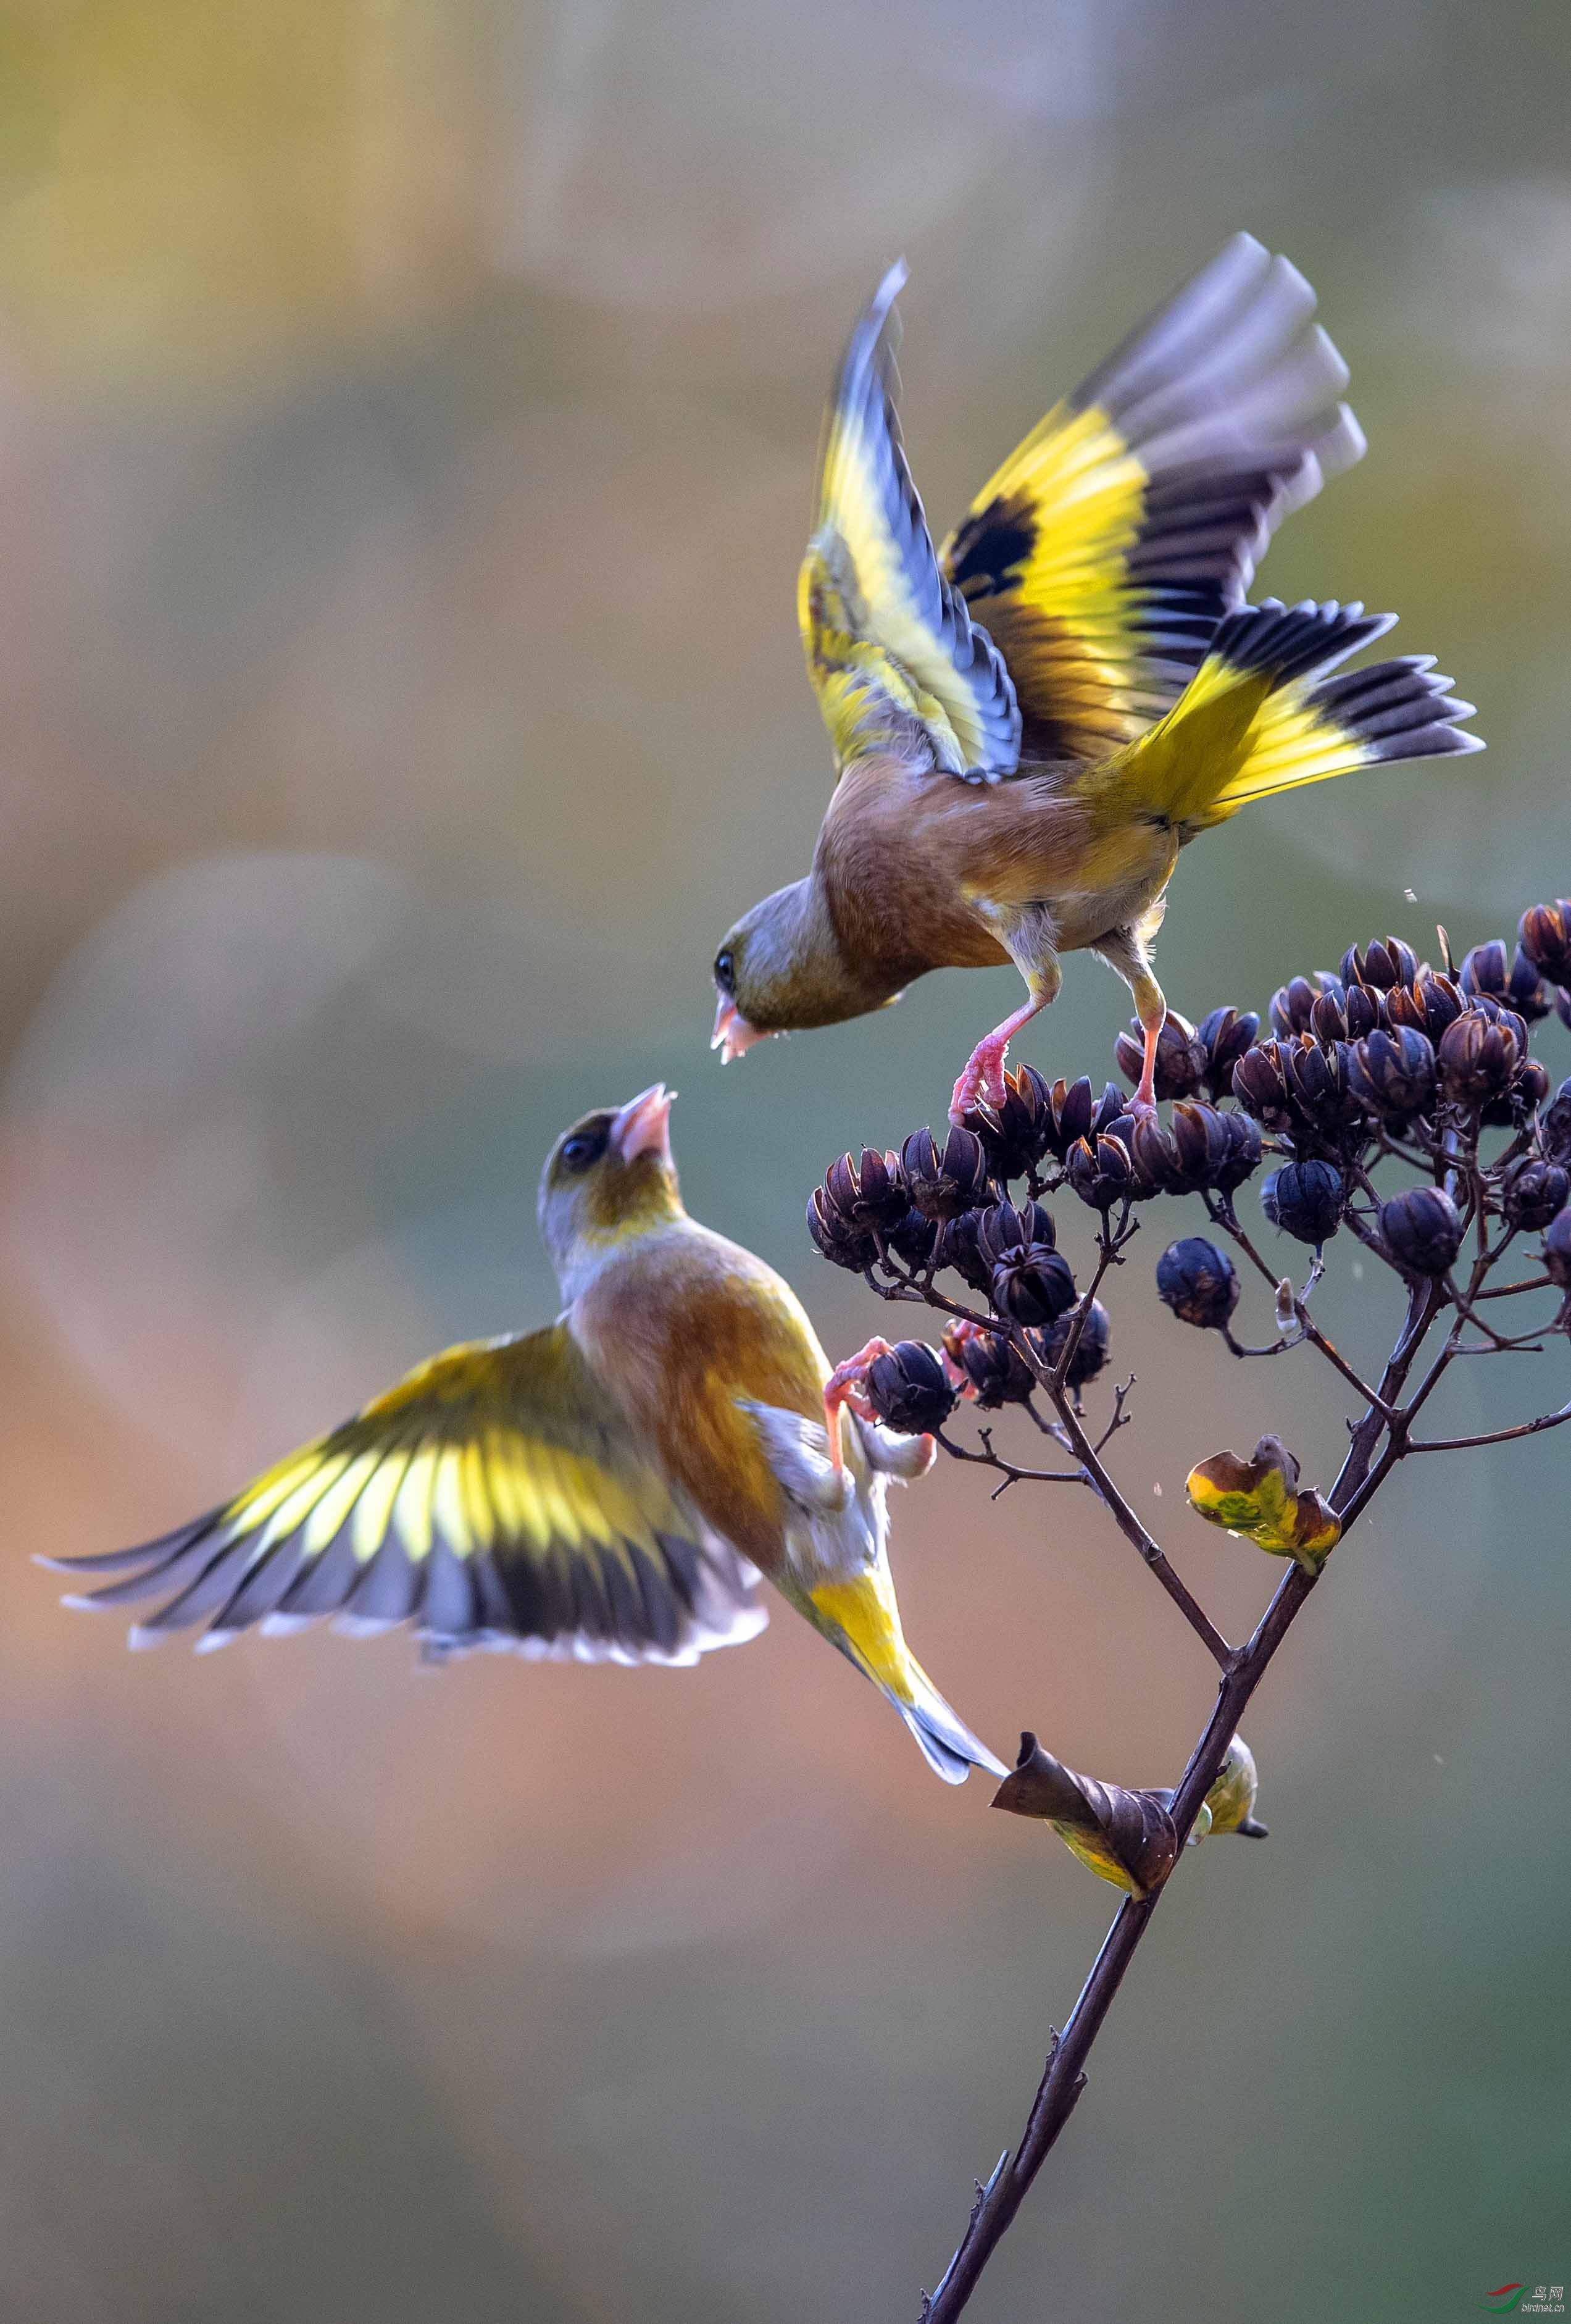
[(1115, 882), (1082, 918)]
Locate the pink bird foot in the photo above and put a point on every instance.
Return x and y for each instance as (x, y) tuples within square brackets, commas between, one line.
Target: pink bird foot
[(982, 1082), (1142, 1104), (847, 1385)]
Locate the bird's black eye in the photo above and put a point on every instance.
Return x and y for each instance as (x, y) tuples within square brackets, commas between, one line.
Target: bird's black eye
[(583, 1148), (725, 970)]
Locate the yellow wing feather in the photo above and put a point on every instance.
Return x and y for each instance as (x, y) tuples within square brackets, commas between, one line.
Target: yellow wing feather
[(1262, 714), (894, 657), (493, 1497), (1102, 553)]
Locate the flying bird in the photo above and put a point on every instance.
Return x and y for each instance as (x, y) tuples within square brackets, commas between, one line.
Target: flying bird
[(1029, 722), (610, 1488)]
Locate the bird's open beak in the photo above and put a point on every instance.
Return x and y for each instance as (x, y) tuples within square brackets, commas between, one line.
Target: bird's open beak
[(644, 1125), (733, 1036)]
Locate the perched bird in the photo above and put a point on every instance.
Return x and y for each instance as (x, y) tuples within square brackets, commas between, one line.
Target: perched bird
[(1029, 723), (608, 1488)]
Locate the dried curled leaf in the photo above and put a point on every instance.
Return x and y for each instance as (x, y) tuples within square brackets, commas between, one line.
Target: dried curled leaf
[(1260, 1498), (1124, 1837)]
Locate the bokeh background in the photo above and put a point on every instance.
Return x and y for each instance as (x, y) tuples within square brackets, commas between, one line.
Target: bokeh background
[(409, 409)]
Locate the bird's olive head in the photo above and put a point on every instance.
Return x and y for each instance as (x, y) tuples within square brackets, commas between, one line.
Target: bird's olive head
[(781, 969), (608, 1177)]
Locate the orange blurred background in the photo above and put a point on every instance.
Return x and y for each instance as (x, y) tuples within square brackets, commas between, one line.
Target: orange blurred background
[(408, 417)]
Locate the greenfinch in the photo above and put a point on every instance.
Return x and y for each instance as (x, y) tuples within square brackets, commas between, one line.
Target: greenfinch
[(610, 1488), (1029, 723)]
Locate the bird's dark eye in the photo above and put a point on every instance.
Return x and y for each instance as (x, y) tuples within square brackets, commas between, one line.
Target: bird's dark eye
[(586, 1146), (725, 970)]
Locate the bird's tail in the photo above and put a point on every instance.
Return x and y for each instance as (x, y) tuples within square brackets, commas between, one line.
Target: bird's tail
[(863, 1619), (945, 1742), (1263, 713)]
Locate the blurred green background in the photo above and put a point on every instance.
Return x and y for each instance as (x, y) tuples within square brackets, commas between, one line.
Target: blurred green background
[(408, 411)]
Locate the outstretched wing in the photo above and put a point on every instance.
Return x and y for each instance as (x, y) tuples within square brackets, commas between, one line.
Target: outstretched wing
[(1106, 550), (894, 656), (493, 1498)]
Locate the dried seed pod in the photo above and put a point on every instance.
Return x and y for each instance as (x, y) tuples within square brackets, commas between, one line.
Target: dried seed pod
[(1365, 1008), (1304, 1199), (1530, 1087), (1030, 1282), (1292, 1008), (1433, 1002), (1017, 1134), (1180, 1057), (1034, 1285), (870, 1195), (1091, 1349), (1393, 1074), (1317, 1080), (986, 1365), (1076, 1112), (1382, 965), (1225, 1035), (1487, 971), (945, 1180), (913, 1238), (1124, 1837), (1422, 1228), (1260, 1084), (1198, 1280), (1153, 1152), (1329, 1016), (1544, 933), (908, 1390), (958, 1246), (1244, 1154), (1102, 1170), (1012, 1227), (1533, 1193), (1480, 1053), (837, 1241), (1204, 1145)]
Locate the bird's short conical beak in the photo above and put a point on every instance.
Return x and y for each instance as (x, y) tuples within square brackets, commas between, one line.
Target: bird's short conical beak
[(644, 1124), (733, 1036)]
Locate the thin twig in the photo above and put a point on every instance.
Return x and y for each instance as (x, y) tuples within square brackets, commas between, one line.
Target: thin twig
[(1493, 1436)]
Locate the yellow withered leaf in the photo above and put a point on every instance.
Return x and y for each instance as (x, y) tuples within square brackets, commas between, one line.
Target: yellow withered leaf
[(1260, 1500)]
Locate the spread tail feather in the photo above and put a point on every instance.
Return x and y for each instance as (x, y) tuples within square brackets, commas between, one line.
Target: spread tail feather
[(948, 1746), (1263, 713)]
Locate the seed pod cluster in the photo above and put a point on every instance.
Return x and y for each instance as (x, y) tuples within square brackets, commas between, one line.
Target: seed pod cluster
[(1384, 1065)]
